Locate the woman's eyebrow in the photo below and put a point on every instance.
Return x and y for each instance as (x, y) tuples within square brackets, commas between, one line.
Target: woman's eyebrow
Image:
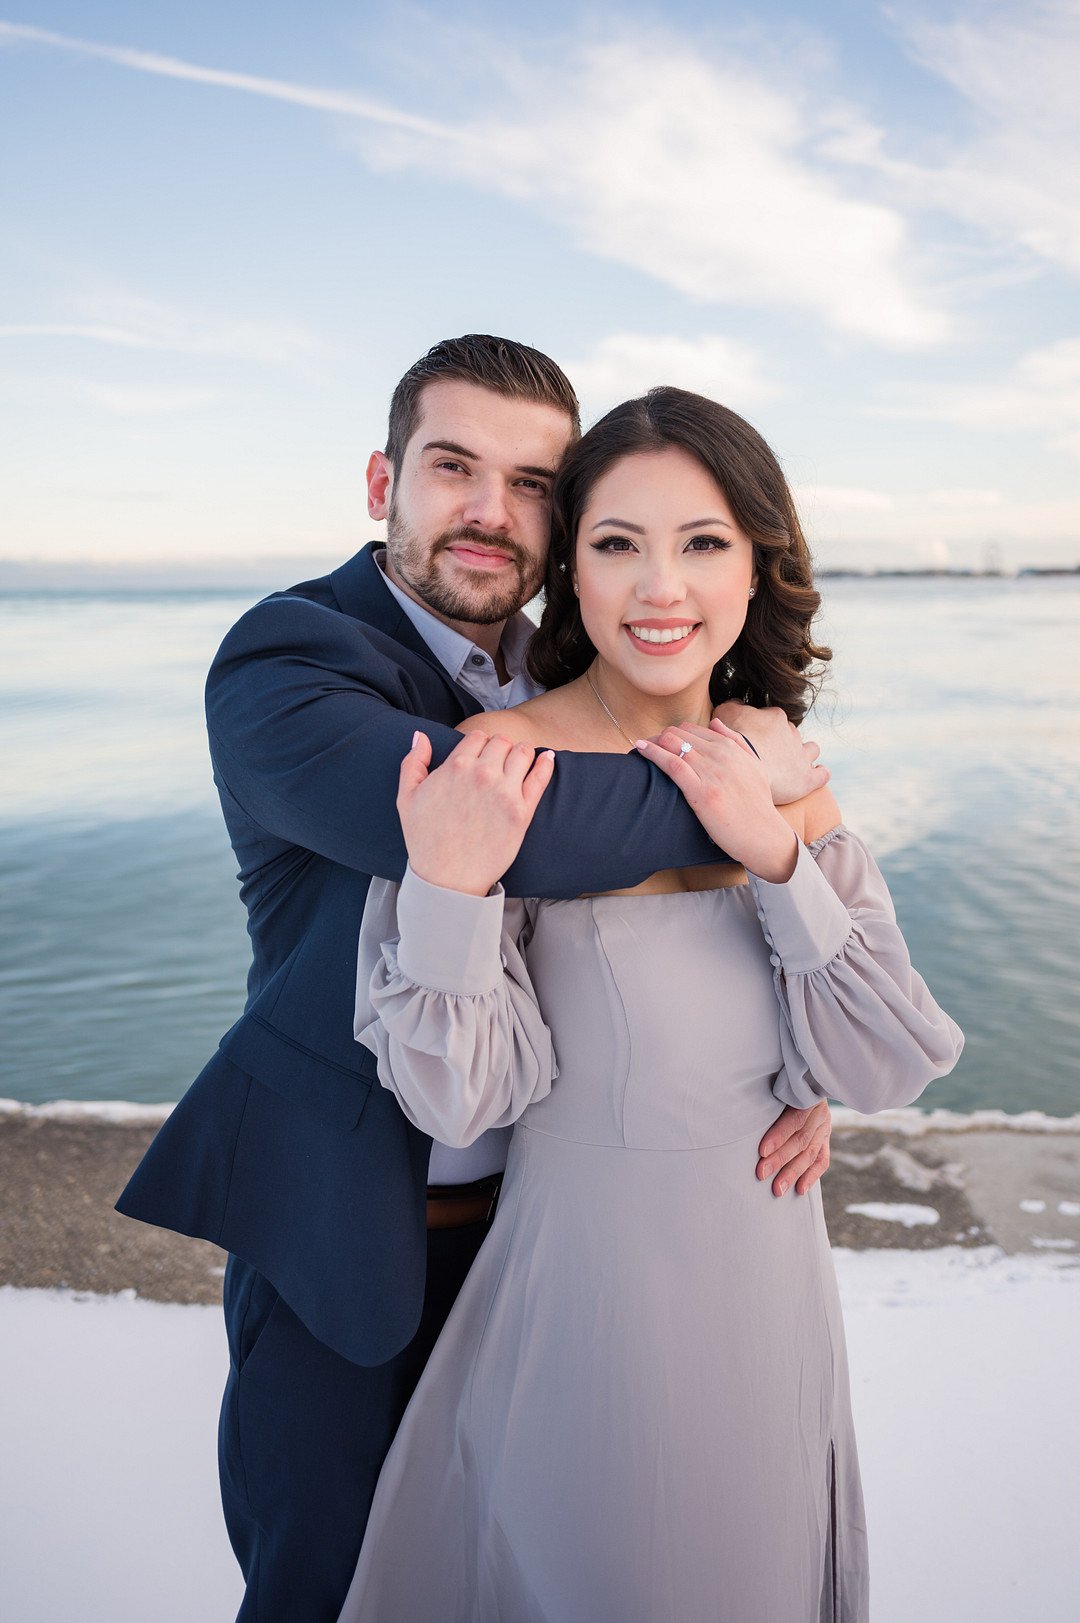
[(694, 524)]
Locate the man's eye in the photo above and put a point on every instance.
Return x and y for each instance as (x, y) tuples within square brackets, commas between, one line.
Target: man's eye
[(612, 543), (533, 487), (708, 543), (448, 463)]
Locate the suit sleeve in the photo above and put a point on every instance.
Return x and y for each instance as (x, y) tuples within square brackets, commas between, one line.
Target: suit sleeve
[(310, 716)]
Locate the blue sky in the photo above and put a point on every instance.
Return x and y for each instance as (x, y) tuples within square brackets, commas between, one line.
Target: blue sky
[(230, 227)]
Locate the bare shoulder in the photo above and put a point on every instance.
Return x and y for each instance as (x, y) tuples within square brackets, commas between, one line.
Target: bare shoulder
[(516, 724)]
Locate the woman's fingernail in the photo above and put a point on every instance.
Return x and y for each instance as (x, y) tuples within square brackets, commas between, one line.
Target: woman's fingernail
[(415, 740), (640, 743)]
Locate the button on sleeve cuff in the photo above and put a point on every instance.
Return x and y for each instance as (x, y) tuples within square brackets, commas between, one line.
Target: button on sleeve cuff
[(449, 940), (804, 920)]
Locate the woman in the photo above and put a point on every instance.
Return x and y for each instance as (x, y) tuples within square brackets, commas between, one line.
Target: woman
[(638, 1409)]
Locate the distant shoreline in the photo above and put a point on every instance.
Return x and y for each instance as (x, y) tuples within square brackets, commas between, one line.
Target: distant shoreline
[(41, 578)]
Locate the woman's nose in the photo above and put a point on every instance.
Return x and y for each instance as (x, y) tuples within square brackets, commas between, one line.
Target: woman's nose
[(661, 585)]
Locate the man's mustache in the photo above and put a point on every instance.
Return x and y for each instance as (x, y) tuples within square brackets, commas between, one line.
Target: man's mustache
[(480, 538)]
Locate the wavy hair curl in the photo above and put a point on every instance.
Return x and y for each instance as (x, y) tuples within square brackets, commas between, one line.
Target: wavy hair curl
[(775, 660)]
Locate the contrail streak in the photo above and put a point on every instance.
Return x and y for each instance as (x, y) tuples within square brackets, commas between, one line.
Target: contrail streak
[(171, 67)]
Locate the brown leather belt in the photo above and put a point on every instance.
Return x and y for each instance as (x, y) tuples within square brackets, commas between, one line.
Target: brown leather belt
[(453, 1205)]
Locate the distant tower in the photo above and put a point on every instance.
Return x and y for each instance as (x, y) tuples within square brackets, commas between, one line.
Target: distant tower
[(991, 559)]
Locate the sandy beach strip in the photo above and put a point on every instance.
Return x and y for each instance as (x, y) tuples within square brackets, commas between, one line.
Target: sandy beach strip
[(906, 1180)]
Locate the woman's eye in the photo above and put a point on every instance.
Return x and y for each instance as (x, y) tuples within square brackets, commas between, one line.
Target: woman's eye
[(612, 543), (708, 543)]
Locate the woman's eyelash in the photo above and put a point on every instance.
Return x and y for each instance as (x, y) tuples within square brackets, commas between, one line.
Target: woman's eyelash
[(712, 543), (719, 543)]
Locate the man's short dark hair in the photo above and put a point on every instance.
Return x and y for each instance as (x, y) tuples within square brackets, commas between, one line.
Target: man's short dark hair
[(500, 364)]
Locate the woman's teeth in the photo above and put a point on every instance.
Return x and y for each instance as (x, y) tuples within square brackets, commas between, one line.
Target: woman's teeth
[(650, 634)]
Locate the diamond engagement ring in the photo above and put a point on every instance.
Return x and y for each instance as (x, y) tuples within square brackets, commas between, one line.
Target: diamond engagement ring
[(684, 749)]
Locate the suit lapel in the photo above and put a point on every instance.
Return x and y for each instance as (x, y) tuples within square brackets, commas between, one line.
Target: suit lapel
[(362, 593)]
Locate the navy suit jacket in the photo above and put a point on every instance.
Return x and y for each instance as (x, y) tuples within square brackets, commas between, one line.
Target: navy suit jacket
[(285, 1150)]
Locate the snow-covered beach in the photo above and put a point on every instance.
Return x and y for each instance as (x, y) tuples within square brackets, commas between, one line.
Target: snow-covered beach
[(958, 1255), (965, 1394)]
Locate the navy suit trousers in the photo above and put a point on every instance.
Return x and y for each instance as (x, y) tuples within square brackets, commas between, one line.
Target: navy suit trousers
[(303, 1435)]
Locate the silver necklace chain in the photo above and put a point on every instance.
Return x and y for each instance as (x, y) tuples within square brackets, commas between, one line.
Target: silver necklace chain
[(589, 678), (613, 719)]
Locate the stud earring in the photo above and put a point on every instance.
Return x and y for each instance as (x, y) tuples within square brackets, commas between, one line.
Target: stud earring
[(753, 589)]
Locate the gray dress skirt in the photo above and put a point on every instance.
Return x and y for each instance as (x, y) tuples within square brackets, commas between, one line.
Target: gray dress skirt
[(638, 1410)]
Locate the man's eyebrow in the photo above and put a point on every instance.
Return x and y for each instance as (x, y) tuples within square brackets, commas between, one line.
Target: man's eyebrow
[(474, 456), (453, 447)]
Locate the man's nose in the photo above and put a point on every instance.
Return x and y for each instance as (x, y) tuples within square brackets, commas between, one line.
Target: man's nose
[(487, 505)]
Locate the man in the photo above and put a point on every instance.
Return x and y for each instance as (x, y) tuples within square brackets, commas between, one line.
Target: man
[(349, 1233)]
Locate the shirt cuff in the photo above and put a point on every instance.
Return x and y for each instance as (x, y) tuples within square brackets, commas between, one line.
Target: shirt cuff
[(449, 940), (804, 920)]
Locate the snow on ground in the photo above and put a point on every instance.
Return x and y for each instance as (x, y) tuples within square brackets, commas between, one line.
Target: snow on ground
[(963, 1381)]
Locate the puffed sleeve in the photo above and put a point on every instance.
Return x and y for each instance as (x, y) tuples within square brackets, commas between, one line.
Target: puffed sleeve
[(859, 1024), (444, 1001)]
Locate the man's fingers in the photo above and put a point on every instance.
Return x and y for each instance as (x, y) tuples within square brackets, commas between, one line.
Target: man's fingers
[(537, 779), (794, 1169), (721, 727), (813, 1172), (414, 766), (791, 1120)]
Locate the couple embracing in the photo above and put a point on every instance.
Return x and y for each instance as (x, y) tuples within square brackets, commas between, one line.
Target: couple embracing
[(516, 1281)]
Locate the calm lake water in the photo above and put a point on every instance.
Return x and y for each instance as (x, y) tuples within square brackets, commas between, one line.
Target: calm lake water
[(950, 722)]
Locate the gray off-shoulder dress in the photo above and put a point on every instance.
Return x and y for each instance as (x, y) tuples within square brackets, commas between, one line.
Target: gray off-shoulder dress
[(638, 1410)]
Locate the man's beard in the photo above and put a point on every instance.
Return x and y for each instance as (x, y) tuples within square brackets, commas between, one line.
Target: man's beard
[(486, 601)]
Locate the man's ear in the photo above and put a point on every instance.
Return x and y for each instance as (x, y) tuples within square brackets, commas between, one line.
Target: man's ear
[(380, 484)]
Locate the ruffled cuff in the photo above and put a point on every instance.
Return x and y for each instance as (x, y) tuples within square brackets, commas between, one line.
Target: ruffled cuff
[(804, 920), (449, 940)]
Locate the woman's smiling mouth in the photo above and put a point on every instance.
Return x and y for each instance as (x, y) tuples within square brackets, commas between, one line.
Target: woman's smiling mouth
[(661, 636)]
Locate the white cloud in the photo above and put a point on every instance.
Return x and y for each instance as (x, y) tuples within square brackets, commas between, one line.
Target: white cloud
[(701, 173), (836, 499), (965, 498), (627, 364), (1015, 176), (129, 321), (1041, 394), (137, 400)]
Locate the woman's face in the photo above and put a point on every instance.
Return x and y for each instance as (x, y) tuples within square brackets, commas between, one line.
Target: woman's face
[(662, 570)]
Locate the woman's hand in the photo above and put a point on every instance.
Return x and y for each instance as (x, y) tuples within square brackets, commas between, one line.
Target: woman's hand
[(464, 823), (790, 760), (727, 788)]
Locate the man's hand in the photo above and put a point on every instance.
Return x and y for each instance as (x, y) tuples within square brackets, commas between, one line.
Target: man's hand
[(796, 1148), (790, 761), (464, 823)]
